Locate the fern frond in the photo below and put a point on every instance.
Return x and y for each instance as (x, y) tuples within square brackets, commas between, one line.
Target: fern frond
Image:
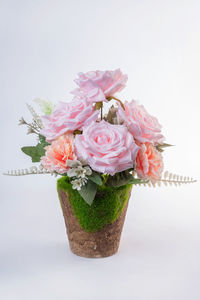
[(170, 179), (36, 117), (31, 171)]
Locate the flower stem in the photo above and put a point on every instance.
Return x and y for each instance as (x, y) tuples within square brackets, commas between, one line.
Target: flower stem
[(102, 111), (112, 97), (99, 105), (32, 126)]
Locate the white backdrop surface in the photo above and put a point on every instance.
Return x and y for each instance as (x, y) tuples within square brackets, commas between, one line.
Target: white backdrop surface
[(44, 44)]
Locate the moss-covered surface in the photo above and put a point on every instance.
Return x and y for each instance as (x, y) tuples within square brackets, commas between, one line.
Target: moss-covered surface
[(105, 209)]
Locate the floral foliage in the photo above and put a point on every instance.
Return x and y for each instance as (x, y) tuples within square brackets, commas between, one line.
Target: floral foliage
[(79, 140)]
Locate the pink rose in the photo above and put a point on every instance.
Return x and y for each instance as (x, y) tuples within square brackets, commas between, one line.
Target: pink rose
[(68, 117), (100, 84), (58, 153), (107, 148), (149, 163), (143, 126), (92, 96)]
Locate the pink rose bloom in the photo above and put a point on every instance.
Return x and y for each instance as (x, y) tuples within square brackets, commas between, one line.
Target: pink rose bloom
[(143, 126), (68, 117), (107, 148), (149, 163), (58, 153), (100, 84), (92, 96)]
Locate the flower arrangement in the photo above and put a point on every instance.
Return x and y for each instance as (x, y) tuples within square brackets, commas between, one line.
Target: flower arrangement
[(77, 140), (98, 144)]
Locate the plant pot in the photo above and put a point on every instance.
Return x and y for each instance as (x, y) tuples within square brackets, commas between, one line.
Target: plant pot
[(94, 231)]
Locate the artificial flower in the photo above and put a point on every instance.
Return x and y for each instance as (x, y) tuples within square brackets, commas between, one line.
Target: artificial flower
[(79, 172), (149, 163), (107, 148), (58, 153), (143, 126), (99, 85), (68, 117), (78, 183)]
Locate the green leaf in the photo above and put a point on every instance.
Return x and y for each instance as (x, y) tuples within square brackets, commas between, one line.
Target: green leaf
[(96, 178), (160, 147), (137, 181), (35, 152), (119, 179), (43, 141), (123, 178), (165, 145), (88, 192)]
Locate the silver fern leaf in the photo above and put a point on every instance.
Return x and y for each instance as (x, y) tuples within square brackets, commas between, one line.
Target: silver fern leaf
[(170, 179), (36, 117), (31, 171)]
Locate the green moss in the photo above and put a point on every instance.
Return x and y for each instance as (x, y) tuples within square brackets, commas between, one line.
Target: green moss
[(105, 209)]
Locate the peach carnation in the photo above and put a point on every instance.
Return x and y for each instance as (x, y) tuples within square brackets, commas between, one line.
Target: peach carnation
[(58, 153), (149, 163)]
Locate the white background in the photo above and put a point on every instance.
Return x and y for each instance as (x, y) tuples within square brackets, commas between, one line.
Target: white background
[(44, 44)]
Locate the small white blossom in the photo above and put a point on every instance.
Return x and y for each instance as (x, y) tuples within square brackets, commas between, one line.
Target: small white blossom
[(71, 172), (78, 183), (88, 171), (79, 170), (83, 162), (73, 163)]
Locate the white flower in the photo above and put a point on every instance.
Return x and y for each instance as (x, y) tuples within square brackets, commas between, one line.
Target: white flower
[(78, 169), (78, 183), (73, 163), (79, 172), (88, 171)]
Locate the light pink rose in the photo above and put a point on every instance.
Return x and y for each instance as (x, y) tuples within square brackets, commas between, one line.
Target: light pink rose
[(92, 96), (143, 126), (100, 84), (107, 148), (149, 163), (68, 117), (58, 153)]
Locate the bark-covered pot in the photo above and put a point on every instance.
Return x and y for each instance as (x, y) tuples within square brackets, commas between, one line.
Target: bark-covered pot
[(94, 231)]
